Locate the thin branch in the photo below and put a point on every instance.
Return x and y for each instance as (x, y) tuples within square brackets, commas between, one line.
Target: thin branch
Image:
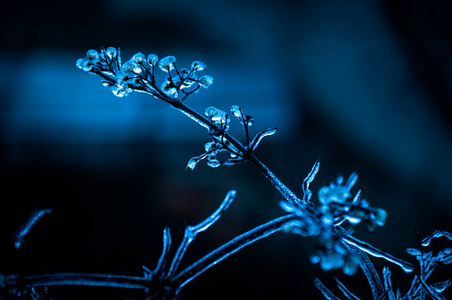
[(192, 231), (230, 248), (78, 279)]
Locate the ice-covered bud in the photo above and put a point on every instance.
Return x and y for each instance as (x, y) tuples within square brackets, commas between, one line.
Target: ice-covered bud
[(380, 216), (353, 219), (121, 89), (351, 265), (217, 115), (328, 194), (138, 58), (166, 63), (413, 251), (219, 118), (331, 261), (152, 59), (213, 162), (376, 218), (127, 67), (237, 111), (92, 54), (232, 150), (212, 111), (169, 89), (122, 76), (206, 81), (209, 146), (137, 68), (84, 64), (192, 163), (314, 258), (327, 219), (186, 78), (198, 66), (111, 52)]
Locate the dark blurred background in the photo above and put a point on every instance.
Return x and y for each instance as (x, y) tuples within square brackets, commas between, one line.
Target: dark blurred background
[(360, 84)]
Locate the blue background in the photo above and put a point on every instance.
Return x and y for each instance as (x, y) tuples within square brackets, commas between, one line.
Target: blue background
[(360, 84)]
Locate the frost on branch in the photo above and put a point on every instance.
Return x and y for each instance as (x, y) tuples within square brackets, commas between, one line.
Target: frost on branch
[(139, 74), (219, 125), (420, 287)]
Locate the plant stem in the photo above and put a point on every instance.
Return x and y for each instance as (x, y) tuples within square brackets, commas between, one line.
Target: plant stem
[(230, 248), (100, 280)]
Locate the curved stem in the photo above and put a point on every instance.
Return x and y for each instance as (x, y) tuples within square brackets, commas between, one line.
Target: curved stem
[(230, 248), (100, 280), (369, 249)]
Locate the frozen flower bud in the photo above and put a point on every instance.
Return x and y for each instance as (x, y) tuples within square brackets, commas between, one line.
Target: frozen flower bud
[(192, 163), (353, 219), (236, 111), (413, 251), (336, 194), (121, 90), (152, 59), (380, 216), (92, 54), (209, 146), (127, 67), (81, 62), (166, 63), (206, 81), (168, 89), (84, 64), (213, 162), (212, 111), (376, 218), (184, 72), (351, 265), (331, 261), (219, 117), (138, 58), (198, 66), (111, 52), (122, 76)]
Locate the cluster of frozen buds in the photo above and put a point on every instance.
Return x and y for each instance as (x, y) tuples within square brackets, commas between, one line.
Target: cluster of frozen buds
[(419, 289), (334, 209), (138, 74), (219, 125)]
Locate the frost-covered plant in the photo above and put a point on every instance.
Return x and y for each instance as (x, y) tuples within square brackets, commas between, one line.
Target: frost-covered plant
[(338, 249), (419, 287)]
